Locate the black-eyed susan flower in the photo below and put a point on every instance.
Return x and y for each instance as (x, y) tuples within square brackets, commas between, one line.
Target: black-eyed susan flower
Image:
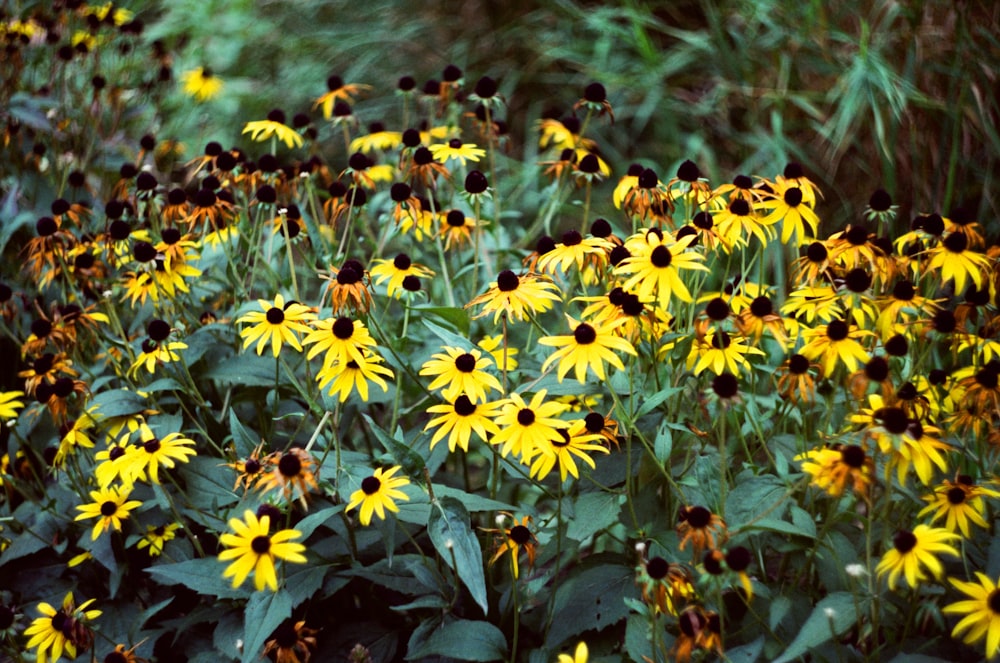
[(353, 376), (834, 344), (460, 419), (588, 347), (701, 528), (458, 372), (458, 151), (835, 468), (907, 442), (378, 139), (736, 223), (981, 610), (251, 469), (574, 441), (292, 473), (338, 90), (516, 296), (654, 266), (664, 585), (526, 427), (110, 506), (273, 126), (121, 654), (958, 503), (153, 354), (152, 453), (156, 537), (378, 493), (914, 551), (9, 405), (957, 263), (291, 643), (791, 206), (575, 249), (253, 548), (395, 270), (74, 435), (65, 630), (201, 83), (347, 288), (277, 323), (341, 339), (699, 629), (719, 352), (457, 229), (515, 539)]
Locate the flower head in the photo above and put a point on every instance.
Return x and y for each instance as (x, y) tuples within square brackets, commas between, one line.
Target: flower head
[(460, 419), (62, 630), (516, 296), (981, 610), (110, 506), (514, 539), (253, 548), (913, 551), (201, 83), (276, 322), (377, 493), (274, 125), (457, 372), (589, 346)]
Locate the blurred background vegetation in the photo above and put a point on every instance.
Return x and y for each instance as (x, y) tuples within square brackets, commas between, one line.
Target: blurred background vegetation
[(903, 95)]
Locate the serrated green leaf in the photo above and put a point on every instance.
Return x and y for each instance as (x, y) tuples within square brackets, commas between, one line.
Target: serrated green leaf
[(831, 617), (592, 598), (209, 484), (264, 612), (464, 640), (202, 575), (450, 530)]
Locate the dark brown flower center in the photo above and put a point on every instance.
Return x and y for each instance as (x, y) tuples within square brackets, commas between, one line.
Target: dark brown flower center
[(853, 456), (904, 541), (956, 242), (463, 406), (661, 257), (466, 363), (525, 416), (793, 196), (109, 508), (698, 517), (877, 369), (817, 252), (507, 281), (893, 419), (151, 446), (584, 334), (275, 315), (520, 534), (761, 306), (370, 485), (993, 602), (798, 364), (721, 340), (740, 207), (594, 422), (343, 328), (956, 495), (402, 262), (725, 385), (657, 568), (738, 558), (289, 465), (564, 441), (260, 544), (836, 330)]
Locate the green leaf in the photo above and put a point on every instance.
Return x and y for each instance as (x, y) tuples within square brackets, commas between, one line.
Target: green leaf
[(202, 575), (451, 533), (411, 462), (264, 612), (831, 617), (652, 402), (40, 527), (594, 512), (663, 444), (754, 496), (448, 337), (465, 640), (459, 318), (244, 439), (781, 527), (309, 524), (303, 580), (163, 384), (592, 598), (471, 502), (747, 653), (249, 370), (209, 483), (118, 403), (638, 643)]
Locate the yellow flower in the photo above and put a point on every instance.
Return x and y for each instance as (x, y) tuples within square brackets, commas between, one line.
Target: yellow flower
[(581, 655), (62, 630), (516, 296), (253, 549), (377, 493), (201, 83), (503, 356), (832, 469), (959, 503), (654, 265), (274, 125), (151, 454), (9, 405), (835, 343), (514, 539), (956, 263), (110, 506), (981, 610), (343, 339), (344, 377), (457, 150), (526, 427), (791, 206), (156, 538), (575, 441), (458, 372), (395, 272), (588, 346), (720, 352), (912, 550), (460, 419), (276, 323), (154, 353)]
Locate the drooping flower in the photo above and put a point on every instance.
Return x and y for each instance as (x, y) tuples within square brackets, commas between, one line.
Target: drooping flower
[(201, 83), (61, 631), (274, 125), (514, 539), (516, 296), (834, 468)]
